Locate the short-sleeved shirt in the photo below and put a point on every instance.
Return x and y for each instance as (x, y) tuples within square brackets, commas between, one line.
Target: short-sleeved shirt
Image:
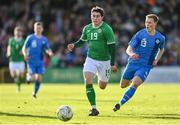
[(146, 46), (15, 49), (98, 39), (36, 47)]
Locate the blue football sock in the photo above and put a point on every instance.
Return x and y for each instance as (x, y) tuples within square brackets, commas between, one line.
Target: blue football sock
[(127, 95), (36, 87)]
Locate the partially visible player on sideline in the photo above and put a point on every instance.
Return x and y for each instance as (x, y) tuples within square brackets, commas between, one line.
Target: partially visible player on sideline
[(33, 50), (16, 60), (145, 49), (101, 54)]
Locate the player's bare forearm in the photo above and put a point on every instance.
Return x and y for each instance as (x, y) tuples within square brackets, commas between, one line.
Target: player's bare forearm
[(26, 57), (24, 51), (131, 53), (8, 51), (158, 56)]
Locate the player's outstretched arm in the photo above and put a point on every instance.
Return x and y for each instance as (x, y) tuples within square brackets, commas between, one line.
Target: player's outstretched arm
[(8, 51), (131, 53), (78, 43), (158, 56), (24, 50)]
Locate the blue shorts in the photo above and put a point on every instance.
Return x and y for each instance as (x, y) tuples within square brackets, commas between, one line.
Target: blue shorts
[(35, 68), (132, 70)]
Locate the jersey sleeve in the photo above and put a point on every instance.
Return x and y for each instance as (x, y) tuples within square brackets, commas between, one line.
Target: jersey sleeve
[(84, 35), (134, 41), (109, 35), (162, 42), (23, 41), (27, 42), (46, 44), (9, 41)]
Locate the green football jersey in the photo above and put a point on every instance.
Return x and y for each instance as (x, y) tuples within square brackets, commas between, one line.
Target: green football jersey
[(98, 39), (16, 48)]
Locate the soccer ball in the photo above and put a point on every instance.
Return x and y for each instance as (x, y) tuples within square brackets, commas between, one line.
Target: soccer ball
[(64, 113)]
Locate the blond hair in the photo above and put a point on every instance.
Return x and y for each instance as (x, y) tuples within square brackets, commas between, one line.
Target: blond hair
[(154, 17)]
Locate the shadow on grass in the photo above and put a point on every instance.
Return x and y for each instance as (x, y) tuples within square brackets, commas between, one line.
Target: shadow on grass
[(26, 115), (147, 116), (83, 100)]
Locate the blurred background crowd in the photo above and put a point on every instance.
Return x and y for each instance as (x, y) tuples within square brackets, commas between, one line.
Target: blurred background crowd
[(64, 19)]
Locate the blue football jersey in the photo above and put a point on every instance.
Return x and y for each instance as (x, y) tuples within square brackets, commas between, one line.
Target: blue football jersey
[(36, 47), (146, 46)]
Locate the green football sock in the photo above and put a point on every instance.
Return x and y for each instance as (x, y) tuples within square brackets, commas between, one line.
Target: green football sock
[(91, 94), (18, 83)]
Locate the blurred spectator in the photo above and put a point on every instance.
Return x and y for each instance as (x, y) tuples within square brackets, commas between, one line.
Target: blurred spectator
[(63, 21)]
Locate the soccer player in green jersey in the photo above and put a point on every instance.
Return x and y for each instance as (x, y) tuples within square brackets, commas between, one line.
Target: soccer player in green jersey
[(16, 63), (100, 59)]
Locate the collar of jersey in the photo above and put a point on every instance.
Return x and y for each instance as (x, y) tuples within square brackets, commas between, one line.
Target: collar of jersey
[(97, 26)]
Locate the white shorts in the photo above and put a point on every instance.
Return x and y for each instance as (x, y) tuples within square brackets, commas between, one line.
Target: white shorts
[(101, 68), (13, 66)]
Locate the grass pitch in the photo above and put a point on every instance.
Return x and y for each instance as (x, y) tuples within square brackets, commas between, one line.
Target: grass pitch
[(151, 104)]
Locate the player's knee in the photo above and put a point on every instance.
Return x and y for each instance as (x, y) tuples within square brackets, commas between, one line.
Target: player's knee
[(123, 86), (102, 85), (13, 74), (136, 82), (124, 83)]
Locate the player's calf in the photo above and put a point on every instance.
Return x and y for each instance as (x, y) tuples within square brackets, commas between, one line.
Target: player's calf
[(102, 85)]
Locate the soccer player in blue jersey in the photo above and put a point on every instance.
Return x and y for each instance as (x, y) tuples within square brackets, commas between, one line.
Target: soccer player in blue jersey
[(145, 49), (33, 50)]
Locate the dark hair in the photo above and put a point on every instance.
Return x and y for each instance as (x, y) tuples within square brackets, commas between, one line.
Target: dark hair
[(38, 23), (98, 9), (18, 28), (154, 17)]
